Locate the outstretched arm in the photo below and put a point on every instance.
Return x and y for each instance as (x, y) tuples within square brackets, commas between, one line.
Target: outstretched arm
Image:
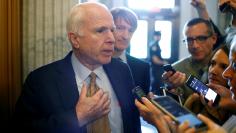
[(200, 6)]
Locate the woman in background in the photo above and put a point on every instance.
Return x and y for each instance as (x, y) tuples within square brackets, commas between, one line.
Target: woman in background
[(217, 65)]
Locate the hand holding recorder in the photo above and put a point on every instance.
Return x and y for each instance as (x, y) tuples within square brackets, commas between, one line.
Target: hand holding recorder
[(169, 107), (168, 67), (173, 78)]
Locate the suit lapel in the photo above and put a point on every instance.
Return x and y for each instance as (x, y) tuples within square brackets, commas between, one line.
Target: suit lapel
[(122, 84), (120, 80), (67, 84), (114, 79), (128, 58)]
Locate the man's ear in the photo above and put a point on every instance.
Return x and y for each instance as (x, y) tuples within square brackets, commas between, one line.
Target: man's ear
[(214, 39), (74, 39)]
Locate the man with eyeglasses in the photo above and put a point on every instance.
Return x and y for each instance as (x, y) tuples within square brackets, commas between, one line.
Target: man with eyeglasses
[(199, 38), (200, 6)]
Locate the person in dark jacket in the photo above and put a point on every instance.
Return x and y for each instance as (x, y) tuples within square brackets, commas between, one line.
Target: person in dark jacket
[(54, 97), (126, 24)]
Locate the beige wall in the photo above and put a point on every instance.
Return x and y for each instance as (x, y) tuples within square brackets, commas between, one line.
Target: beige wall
[(44, 32)]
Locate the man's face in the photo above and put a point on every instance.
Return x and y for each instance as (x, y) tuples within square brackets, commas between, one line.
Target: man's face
[(96, 43), (230, 72), (157, 37), (122, 34), (199, 48)]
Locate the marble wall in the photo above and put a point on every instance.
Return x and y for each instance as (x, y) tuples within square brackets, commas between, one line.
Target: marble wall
[(44, 32)]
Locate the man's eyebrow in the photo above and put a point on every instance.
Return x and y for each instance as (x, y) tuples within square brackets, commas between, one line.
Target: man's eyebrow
[(101, 28)]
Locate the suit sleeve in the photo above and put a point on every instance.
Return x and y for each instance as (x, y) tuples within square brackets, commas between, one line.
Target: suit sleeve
[(37, 112)]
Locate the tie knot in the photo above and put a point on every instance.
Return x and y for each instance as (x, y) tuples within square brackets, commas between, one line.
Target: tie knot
[(92, 77)]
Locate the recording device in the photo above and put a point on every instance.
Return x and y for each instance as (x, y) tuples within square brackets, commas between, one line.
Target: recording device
[(168, 67), (199, 87), (175, 95), (138, 93), (177, 112), (173, 109)]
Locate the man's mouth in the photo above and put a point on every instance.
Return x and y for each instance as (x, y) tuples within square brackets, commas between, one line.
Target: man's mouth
[(108, 52)]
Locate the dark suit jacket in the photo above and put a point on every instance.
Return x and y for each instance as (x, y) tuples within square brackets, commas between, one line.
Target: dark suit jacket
[(140, 71), (50, 94)]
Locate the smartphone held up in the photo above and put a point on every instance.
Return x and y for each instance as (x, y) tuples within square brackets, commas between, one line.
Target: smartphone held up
[(172, 108), (199, 87)]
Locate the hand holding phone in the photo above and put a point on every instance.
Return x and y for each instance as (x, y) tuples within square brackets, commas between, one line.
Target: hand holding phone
[(171, 108), (168, 67), (138, 93), (177, 112), (199, 87)]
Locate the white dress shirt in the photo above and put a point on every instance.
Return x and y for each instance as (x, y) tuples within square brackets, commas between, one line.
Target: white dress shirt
[(82, 75)]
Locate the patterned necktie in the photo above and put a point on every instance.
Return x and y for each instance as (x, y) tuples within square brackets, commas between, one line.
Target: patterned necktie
[(93, 88), (100, 125)]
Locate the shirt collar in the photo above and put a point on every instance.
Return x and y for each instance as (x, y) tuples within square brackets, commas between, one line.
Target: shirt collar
[(123, 57), (83, 72)]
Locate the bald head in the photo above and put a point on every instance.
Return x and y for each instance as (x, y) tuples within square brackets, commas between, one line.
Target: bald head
[(81, 14)]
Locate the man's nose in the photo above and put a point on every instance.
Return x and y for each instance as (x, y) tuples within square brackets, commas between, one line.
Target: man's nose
[(195, 44), (111, 36)]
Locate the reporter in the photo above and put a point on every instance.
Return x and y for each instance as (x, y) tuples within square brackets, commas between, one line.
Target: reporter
[(230, 72), (152, 115), (200, 6), (212, 127), (199, 38), (196, 104), (228, 97), (157, 118), (164, 124), (226, 102)]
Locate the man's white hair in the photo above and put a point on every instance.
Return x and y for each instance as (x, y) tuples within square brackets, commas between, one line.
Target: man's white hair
[(75, 18)]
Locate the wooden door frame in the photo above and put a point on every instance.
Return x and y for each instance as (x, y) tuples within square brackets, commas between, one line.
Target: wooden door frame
[(10, 57)]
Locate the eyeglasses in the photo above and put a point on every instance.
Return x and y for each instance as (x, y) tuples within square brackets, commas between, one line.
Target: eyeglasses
[(198, 39)]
